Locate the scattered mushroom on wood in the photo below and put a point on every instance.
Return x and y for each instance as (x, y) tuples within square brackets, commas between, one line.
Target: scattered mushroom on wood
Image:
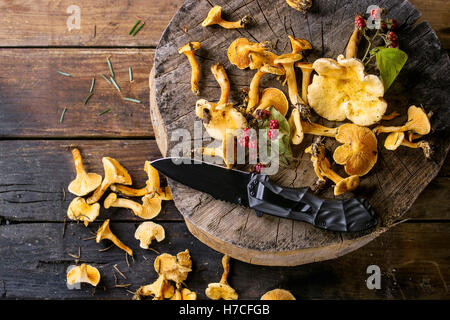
[(278, 294), (114, 173), (239, 52), (222, 289), (84, 182), (148, 231), (174, 268), (104, 232), (81, 211), (322, 168), (359, 151), (159, 289), (215, 17), (151, 185), (273, 97), (418, 122), (287, 61), (397, 139), (150, 207), (341, 90), (188, 49), (83, 274), (300, 5)]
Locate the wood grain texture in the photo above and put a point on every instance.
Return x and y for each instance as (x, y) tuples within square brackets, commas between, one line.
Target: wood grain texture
[(35, 175), (413, 260), (104, 23), (33, 94), (43, 22), (391, 187)]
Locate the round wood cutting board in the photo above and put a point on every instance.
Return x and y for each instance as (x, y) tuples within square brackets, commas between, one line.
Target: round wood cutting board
[(392, 185)]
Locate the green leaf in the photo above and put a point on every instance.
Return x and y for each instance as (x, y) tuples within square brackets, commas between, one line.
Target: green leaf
[(390, 62), (283, 142)]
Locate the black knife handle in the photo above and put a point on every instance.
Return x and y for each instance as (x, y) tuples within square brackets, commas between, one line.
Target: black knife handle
[(342, 215)]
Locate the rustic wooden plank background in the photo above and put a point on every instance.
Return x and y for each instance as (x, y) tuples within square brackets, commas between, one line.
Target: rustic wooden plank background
[(35, 167)]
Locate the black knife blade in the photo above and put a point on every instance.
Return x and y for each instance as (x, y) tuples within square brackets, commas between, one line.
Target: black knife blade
[(256, 191)]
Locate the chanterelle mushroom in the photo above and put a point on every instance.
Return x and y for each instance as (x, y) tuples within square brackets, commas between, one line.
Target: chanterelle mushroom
[(273, 97), (152, 185), (300, 5), (299, 128), (114, 173), (299, 45), (222, 289), (418, 122), (359, 151), (85, 182), (222, 78), (322, 168), (184, 294), (218, 119), (240, 49), (215, 17), (174, 268), (287, 61), (80, 210), (307, 69), (228, 156), (104, 232), (188, 49), (150, 208), (147, 231), (160, 289), (83, 274), (278, 294), (397, 139), (342, 90)]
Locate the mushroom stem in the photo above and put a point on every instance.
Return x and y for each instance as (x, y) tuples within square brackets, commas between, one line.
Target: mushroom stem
[(353, 43), (234, 24), (104, 232), (222, 78), (226, 269), (391, 116), (79, 167), (306, 79), (424, 145), (319, 130), (128, 204), (188, 49), (131, 192), (195, 74), (99, 191), (253, 93)]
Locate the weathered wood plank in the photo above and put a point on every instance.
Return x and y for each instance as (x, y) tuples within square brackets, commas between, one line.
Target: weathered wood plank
[(33, 94), (34, 176), (44, 23), (103, 23), (413, 259)]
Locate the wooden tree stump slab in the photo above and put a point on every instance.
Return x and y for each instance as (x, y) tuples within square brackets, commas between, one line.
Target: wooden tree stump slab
[(393, 184)]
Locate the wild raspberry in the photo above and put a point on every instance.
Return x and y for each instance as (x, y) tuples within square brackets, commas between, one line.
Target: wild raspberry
[(383, 26), (392, 36), (272, 134), (246, 132), (259, 167), (394, 44), (274, 124), (394, 24), (243, 142), (360, 22), (253, 144)]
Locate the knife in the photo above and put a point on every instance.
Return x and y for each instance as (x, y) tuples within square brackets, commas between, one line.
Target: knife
[(256, 191)]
